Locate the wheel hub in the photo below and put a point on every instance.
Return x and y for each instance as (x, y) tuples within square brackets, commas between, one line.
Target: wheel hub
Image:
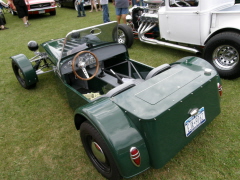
[(121, 37), (98, 152), (225, 57)]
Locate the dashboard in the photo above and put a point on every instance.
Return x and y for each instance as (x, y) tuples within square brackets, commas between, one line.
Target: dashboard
[(88, 60)]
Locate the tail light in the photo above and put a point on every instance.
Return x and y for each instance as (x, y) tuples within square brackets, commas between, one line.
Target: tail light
[(219, 89), (135, 156)]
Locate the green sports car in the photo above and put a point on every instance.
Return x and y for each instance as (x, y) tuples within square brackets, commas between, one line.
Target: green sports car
[(131, 116)]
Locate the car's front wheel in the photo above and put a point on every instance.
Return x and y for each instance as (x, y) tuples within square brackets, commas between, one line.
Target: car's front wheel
[(98, 152), (223, 52), (124, 35), (18, 71), (53, 13)]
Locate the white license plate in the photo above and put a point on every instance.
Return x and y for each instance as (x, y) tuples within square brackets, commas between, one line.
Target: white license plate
[(41, 12), (192, 123)]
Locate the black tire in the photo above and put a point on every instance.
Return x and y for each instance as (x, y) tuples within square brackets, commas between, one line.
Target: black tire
[(53, 13), (94, 146), (223, 52), (124, 35), (20, 77)]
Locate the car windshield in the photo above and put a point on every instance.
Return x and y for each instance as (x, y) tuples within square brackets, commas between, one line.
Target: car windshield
[(78, 40)]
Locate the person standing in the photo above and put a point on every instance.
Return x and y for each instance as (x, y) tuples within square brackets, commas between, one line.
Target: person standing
[(99, 5), (104, 4), (121, 7), (22, 10), (93, 5), (2, 24), (80, 8)]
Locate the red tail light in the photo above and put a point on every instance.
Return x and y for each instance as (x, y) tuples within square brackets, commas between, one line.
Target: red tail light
[(220, 89), (135, 156)]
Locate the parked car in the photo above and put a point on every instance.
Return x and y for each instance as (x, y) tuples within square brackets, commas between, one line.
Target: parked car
[(73, 3), (131, 116), (36, 7), (210, 28)]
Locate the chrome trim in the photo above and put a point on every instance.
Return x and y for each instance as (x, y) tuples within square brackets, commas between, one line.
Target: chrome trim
[(145, 27)]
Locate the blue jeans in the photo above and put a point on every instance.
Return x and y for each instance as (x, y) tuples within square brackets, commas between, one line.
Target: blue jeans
[(80, 8), (105, 13)]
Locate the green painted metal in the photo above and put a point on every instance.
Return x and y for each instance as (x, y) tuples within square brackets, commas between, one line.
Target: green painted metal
[(162, 104), (120, 134), (27, 69)]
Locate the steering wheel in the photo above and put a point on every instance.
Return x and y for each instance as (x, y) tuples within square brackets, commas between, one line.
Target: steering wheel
[(83, 62), (182, 1)]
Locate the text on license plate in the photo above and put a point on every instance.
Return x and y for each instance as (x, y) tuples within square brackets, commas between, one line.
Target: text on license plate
[(41, 12), (193, 122)]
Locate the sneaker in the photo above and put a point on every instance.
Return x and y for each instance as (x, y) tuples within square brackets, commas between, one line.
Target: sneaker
[(26, 25), (79, 16), (84, 15)]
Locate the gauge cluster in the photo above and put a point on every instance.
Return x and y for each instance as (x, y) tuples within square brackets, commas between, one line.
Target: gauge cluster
[(83, 60)]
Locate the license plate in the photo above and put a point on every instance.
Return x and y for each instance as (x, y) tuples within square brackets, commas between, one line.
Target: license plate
[(192, 123), (41, 12)]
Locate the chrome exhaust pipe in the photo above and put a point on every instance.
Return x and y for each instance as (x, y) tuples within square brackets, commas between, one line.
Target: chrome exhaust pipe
[(145, 27)]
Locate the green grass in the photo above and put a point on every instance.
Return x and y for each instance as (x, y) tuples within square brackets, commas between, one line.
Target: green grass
[(38, 139)]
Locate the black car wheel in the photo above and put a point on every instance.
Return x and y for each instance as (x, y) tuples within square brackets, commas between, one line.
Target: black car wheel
[(124, 35), (98, 152), (20, 77), (53, 13), (223, 52)]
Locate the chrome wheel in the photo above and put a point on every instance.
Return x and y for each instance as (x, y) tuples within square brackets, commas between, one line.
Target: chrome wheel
[(225, 57), (121, 37)]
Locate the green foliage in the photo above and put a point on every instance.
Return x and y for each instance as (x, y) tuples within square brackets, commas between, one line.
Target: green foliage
[(38, 139)]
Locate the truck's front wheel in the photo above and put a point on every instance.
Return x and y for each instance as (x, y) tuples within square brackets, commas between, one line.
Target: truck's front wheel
[(223, 52), (98, 152)]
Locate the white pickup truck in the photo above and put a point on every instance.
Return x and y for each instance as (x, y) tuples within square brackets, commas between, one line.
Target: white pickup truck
[(207, 27)]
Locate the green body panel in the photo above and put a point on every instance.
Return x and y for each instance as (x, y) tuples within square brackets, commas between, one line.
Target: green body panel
[(27, 69), (53, 49), (161, 105), (119, 133)]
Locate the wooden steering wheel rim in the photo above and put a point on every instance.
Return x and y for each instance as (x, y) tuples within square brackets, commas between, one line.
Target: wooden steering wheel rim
[(73, 65)]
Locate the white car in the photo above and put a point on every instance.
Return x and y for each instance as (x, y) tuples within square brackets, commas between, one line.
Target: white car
[(207, 27)]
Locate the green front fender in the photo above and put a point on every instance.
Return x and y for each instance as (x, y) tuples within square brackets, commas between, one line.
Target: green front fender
[(25, 65), (119, 134)]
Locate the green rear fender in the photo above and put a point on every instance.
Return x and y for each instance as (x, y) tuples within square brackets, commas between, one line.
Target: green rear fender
[(118, 132), (25, 65)]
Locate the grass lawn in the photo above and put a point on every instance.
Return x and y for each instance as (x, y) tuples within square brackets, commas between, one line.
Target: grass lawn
[(38, 139)]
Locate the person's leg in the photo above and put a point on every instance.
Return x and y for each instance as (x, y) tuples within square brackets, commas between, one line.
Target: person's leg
[(79, 10), (99, 6), (108, 20), (91, 5), (118, 14), (82, 8), (124, 15)]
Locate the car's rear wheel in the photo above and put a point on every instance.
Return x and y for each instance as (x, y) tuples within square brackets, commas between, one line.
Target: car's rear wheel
[(124, 35), (20, 76), (223, 52), (98, 152)]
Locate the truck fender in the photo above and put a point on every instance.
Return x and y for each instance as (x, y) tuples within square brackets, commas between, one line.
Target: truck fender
[(26, 67), (119, 133)]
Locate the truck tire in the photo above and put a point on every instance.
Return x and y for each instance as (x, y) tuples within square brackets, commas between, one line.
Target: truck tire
[(223, 52), (98, 152), (124, 35)]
